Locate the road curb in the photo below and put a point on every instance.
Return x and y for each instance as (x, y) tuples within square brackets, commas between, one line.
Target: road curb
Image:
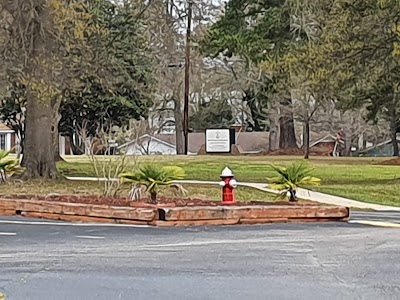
[(172, 216)]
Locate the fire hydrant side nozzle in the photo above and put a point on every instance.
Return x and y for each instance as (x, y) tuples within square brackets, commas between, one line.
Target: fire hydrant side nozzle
[(228, 185)]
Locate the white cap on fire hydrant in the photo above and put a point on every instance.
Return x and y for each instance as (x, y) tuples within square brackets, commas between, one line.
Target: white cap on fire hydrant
[(227, 172)]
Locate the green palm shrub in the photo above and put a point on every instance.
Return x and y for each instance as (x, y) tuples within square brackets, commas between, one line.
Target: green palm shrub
[(8, 166), (153, 177), (289, 179)]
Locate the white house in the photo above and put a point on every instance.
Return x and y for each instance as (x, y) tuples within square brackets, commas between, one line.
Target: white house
[(149, 145), (7, 137)]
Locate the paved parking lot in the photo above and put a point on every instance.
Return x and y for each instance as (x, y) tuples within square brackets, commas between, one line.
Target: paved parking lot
[(279, 261)]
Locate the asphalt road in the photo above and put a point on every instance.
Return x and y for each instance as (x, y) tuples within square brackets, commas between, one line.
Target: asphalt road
[(45, 260), (389, 216)]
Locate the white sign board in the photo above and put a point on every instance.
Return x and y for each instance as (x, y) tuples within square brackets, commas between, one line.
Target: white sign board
[(218, 141)]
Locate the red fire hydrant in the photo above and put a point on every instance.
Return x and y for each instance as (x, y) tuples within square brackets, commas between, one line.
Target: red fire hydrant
[(228, 184)]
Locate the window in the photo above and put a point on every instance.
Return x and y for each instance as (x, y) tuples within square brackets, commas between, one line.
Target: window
[(2, 141)]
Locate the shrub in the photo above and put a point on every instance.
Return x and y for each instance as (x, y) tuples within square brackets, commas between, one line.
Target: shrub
[(153, 177), (289, 179)]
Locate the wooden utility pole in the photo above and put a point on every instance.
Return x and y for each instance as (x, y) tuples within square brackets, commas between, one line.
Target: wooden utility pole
[(187, 78)]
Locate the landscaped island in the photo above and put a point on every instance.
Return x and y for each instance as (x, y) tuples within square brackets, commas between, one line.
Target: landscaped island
[(137, 197)]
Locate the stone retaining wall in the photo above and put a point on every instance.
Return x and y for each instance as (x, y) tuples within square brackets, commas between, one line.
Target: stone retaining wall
[(177, 216)]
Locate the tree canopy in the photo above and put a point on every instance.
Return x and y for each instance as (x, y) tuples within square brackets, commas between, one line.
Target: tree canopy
[(64, 52), (318, 53), (258, 32), (212, 114), (123, 93), (83, 65)]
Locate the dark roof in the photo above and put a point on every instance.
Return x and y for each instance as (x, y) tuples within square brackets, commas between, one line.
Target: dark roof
[(381, 144), (248, 141), (4, 127), (326, 139)]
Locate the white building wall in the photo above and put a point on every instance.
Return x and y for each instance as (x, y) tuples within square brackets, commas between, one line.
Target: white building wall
[(61, 144), (154, 148), (8, 141)]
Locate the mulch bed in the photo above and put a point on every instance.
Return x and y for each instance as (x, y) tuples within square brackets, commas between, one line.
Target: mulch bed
[(162, 201), (391, 162)]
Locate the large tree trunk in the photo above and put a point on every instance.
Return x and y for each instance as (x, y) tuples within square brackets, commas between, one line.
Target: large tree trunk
[(56, 147), (273, 118), (393, 129), (395, 144), (273, 138), (179, 134), (41, 111), (306, 139), (287, 136), (39, 149), (348, 141)]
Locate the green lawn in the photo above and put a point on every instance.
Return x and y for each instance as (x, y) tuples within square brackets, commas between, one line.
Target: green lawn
[(355, 178)]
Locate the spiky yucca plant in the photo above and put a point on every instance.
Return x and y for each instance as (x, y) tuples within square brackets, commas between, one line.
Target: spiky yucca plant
[(8, 166), (153, 177), (289, 179)]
